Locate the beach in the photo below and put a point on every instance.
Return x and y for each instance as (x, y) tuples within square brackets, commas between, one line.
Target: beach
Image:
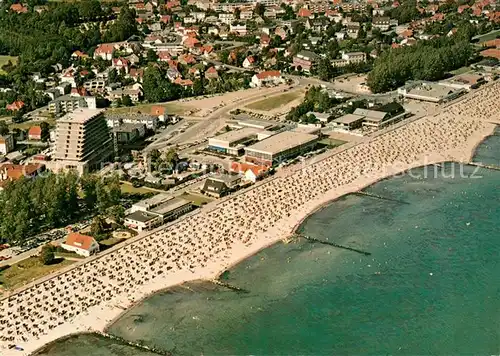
[(89, 297)]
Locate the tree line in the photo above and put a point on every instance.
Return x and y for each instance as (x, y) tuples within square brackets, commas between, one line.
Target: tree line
[(427, 60), (28, 206)]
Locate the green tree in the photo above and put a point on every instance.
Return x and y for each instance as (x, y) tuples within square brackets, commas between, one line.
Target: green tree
[(4, 128), (127, 101), (98, 226), (47, 256), (325, 69), (89, 187), (151, 56)]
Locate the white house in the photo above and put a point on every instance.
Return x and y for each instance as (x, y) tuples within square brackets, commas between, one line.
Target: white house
[(272, 77), (82, 245)]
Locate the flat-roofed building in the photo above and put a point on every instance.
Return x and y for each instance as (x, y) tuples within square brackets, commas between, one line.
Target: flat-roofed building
[(428, 91), (83, 141), (150, 203), (381, 116), (348, 122), (142, 220), (233, 142), (68, 103), (279, 147), (173, 208), (245, 120)]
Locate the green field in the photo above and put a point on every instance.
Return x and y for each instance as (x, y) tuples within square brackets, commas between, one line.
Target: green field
[(173, 108), (129, 188), (4, 60), (197, 199), (461, 70), (28, 270), (275, 102)]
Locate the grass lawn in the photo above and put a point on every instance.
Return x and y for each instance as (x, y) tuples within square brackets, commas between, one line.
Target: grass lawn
[(275, 101), (111, 241), (460, 71), (4, 60), (331, 142), (27, 124), (173, 108), (28, 270), (197, 200), (129, 188)]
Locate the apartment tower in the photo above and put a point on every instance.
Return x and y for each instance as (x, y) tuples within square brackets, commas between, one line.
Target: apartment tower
[(83, 141)]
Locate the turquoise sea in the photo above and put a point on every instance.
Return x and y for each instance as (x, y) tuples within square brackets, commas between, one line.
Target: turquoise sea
[(430, 286)]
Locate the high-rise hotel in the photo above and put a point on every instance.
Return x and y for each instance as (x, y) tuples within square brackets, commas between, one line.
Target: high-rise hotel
[(83, 141)]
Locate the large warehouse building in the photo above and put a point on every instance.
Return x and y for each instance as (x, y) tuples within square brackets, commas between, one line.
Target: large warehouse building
[(279, 147)]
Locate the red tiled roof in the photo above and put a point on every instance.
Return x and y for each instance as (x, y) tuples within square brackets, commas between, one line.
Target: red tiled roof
[(492, 52), (19, 8), (303, 12), (15, 106), (243, 167), (492, 43), (157, 110), (191, 42), (268, 73), (35, 131), (83, 242), (107, 48), (12, 172)]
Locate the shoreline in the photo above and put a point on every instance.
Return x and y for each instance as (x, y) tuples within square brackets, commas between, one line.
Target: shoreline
[(431, 145), (105, 331)]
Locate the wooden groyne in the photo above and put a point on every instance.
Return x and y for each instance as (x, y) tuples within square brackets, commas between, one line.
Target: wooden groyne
[(135, 344), (371, 195), (229, 286), (312, 239), (487, 166)]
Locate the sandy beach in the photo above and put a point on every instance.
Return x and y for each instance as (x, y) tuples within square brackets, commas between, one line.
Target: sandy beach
[(90, 296)]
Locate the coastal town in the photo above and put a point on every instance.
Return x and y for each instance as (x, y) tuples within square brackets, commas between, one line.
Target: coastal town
[(164, 142)]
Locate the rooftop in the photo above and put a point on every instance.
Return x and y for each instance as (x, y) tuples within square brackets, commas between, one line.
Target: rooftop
[(80, 116), (236, 135), (348, 119), (225, 178), (170, 205), (155, 200), (141, 216), (281, 142)]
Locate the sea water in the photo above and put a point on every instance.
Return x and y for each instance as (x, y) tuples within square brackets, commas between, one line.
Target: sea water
[(430, 285)]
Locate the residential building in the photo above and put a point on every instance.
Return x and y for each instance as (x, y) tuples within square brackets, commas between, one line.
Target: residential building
[(150, 121), (250, 172), (240, 30), (271, 77), (6, 144), (104, 51), (305, 60), (83, 141), (15, 106), (383, 23), (352, 29), (349, 58), (35, 133), (82, 245), (317, 25), (128, 133), (10, 172), (248, 62), (221, 184), (279, 147), (68, 103)]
